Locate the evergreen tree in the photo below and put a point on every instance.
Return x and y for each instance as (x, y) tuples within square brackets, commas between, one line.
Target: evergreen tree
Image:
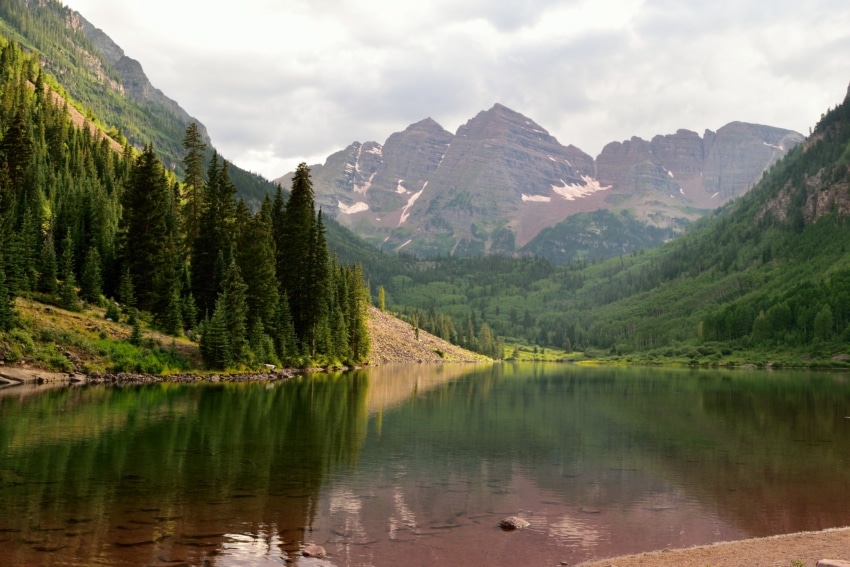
[(255, 257), (357, 309), (68, 298), (171, 320), (47, 266), (233, 301), (215, 342), (148, 225), (211, 252), (318, 295), (7, 313), (126, 293), (91, 281), (193, 182), (297, 237), (286, 343), (189, 311)]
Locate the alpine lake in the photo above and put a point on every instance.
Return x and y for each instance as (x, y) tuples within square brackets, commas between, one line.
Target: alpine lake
[(415, 465)]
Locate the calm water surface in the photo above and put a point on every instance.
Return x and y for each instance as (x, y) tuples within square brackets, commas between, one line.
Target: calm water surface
[(415, 465)]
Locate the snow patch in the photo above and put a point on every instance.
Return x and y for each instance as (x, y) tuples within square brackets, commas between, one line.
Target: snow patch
[(442, 157), (670, 173), (377, 150), (780, 148), (571, 192), (400, 188), (715, 195), (682, 191), (351, 209), (403, 245), (536, 198), (405, 212), (365, 187)]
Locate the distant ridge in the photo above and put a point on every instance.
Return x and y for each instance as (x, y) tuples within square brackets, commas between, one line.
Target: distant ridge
[(495, 184)]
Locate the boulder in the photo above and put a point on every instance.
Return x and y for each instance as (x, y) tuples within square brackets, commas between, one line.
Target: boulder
[(513, 523), (314, 551)]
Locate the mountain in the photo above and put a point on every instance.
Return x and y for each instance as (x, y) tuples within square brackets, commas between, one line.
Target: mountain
[(501, 179), (763, 279), (110, 87)]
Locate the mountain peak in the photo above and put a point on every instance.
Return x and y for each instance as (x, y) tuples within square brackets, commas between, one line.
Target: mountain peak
[(426, 125)]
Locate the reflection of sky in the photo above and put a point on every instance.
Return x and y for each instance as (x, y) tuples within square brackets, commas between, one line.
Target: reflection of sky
[(260, 549)]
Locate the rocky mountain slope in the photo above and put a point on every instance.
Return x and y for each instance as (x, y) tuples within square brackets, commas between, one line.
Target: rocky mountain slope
[(501, 178)]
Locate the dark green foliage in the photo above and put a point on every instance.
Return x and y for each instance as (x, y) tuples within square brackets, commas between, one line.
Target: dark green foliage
[(148, 226), (255, 256), (189, 311), (193, 183), (47, 267), (298, 238), (215, 343), (68, 298), (126, 293), (212, 248), (595, 236), (136, 329), (7, 313), (112, 311), (233, 302), (123, 227), (91, 280)]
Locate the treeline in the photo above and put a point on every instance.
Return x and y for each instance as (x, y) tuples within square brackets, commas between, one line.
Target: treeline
[(767, 271), (82, 222)]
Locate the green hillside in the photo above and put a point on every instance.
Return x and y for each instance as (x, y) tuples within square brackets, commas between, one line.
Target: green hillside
[(764, 279)]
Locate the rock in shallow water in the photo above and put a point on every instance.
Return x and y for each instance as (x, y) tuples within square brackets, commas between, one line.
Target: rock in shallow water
[(314, 551), (513, 523)]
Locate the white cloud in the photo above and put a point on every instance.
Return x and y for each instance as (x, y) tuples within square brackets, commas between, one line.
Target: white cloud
[(279, 83)]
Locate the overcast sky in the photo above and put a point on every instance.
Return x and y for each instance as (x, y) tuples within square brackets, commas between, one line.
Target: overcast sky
[(277, 83)]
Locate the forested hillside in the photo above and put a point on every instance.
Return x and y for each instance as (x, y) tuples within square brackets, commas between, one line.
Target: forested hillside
[(766, 275), (108, 87), (83, 223)]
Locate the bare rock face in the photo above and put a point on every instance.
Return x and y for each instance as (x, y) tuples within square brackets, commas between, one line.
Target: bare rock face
[(501, 179), (513, 523)]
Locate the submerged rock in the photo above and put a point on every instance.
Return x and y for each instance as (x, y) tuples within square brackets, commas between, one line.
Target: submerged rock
[(513, 523), (314, 551)]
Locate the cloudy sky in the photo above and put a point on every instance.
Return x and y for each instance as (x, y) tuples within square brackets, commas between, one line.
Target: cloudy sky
[(277, 83)]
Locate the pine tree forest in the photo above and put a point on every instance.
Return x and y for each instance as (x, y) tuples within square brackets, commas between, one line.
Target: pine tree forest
[(85, 219)]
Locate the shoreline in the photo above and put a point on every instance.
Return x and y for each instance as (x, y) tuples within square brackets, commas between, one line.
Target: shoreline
[(783, 550)]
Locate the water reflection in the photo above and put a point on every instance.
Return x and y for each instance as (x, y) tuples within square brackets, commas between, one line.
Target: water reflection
[(415, 465)]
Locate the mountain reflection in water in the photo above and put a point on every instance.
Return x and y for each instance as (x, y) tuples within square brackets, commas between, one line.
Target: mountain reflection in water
[(417, 464)]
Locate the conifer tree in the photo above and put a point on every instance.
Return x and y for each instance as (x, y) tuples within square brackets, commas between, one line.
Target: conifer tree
[(234, 303), (126, 292), (215, 343), (148, 225), (7, 313), (211, 252), (297, 237), (286, 342), (68, 298), (47, 266), (255, 257), (91, 281), (193, 182)]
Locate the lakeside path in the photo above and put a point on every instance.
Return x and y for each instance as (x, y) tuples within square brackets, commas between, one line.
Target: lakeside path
[(774, 551)]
